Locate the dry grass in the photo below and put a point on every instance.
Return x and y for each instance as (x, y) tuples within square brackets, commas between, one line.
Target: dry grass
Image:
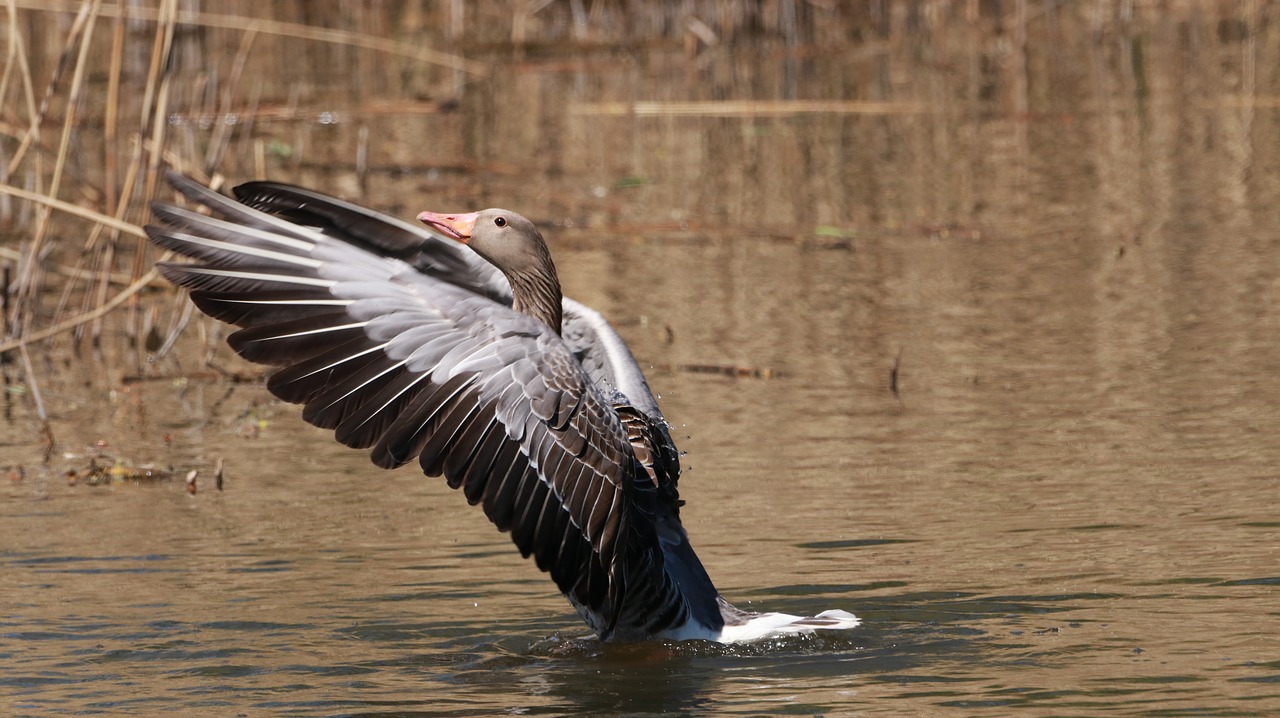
[(37, 186), (41, 163)]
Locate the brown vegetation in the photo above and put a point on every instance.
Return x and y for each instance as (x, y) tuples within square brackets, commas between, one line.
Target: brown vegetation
[(93, 93)]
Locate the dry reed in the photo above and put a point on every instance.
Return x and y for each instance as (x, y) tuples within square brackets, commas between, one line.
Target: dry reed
[(42, 184)]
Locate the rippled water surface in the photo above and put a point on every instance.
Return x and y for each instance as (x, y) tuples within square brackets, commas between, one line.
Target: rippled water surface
[(989, 359)]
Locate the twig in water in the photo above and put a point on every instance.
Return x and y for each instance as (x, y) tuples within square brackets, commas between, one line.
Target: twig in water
[(893, 375), (36, 399)]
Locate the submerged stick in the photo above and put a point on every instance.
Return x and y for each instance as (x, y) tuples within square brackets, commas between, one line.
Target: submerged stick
[(34, 386)]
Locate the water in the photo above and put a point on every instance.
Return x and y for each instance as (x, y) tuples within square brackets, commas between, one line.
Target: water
[(1006, 392)]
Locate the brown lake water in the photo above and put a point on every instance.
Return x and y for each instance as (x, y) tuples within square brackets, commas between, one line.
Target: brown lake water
[(1008, 321)]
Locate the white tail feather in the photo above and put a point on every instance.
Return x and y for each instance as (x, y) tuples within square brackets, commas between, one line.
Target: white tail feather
[(771, 625)]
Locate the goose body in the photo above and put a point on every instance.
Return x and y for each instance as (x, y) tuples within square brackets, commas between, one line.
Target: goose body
[(469, 360)]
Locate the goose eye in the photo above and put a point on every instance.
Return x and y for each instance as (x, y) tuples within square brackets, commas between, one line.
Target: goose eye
[(500, 221)]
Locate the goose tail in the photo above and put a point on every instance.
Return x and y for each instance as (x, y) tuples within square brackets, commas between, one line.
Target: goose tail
[(744, 626)]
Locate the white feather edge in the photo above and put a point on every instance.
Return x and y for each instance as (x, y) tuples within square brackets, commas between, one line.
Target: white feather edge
[(769, 625)]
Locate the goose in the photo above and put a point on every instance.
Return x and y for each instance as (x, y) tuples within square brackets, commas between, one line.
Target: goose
[(450, 343)]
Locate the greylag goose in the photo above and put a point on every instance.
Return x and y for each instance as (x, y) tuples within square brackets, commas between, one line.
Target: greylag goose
[(451, 344)]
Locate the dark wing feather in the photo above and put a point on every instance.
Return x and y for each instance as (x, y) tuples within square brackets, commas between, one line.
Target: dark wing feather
[(604, 357), (419, 361)]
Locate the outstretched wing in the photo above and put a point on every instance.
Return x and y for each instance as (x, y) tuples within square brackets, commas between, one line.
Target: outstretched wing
[(428, 366), (380, 234)]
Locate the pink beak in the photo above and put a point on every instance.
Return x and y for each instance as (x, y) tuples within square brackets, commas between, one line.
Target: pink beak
[(455, 226)]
